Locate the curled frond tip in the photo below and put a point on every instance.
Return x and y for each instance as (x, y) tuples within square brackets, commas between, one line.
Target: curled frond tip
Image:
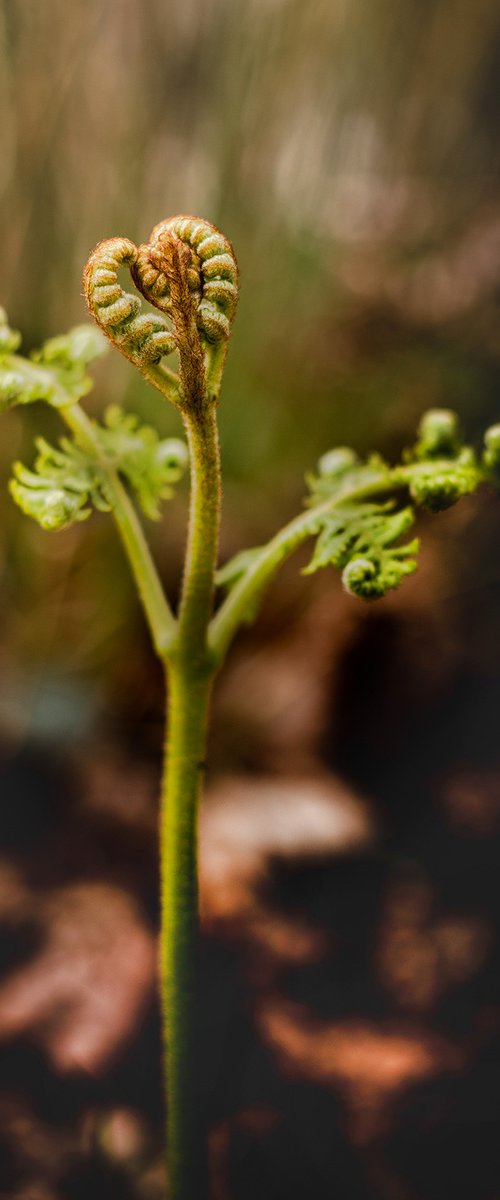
[(211, 269), (186, 266)]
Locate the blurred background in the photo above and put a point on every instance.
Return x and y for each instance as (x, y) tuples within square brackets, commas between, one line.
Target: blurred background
[(350, 834)]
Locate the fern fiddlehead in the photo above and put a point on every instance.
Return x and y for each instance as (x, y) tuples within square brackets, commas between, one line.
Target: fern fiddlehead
[(142, 337), (213, 273), (188, 271)]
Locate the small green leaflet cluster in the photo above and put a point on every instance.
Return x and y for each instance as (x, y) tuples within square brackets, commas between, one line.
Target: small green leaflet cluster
[(56, 373), (63, 487), (67, 483), (359, 540), (440, 468), (359, 536)]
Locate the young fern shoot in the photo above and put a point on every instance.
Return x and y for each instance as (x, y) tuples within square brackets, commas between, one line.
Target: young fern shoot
[(357, 514)]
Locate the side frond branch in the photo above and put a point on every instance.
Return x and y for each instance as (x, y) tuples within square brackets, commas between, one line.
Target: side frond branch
[(56, 373), (359, 512), (69, 480)]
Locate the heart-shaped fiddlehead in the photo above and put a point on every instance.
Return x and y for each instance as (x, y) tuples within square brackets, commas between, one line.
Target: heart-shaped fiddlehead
[(188, 271)]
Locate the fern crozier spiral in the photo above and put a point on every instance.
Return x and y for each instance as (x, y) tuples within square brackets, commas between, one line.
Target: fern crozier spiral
[(142, 337), (213, 273)]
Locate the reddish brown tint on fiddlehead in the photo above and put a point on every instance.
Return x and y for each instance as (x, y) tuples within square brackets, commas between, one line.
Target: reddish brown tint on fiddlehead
[(212, 273), (188, 271)]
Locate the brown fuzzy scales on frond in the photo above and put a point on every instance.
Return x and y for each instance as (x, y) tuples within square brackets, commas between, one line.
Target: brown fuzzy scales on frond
[(188, 271), (171, 259), (212, 273)]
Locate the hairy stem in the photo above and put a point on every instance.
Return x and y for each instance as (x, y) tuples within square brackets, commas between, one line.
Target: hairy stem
[(182, 646), (189, 682), (159, 616), (204, 517), (188, 699)]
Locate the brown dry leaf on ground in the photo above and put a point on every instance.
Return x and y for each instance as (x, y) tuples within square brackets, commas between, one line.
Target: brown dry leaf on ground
[(247, 822), (420, 956), (369, 1063), (82, 992)]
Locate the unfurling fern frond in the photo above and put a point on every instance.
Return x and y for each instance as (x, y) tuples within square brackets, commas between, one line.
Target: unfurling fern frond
[(56, 373), (68, 481), (359, 536), (359, 540), (441, 468), (358, 512), (63, 487), (142, 337)]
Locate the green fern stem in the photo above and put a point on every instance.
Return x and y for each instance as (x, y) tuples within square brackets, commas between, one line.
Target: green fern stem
[(188, 271), (189, 677), (203, 537), (188, 701), (182, 646), (159, 616)]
